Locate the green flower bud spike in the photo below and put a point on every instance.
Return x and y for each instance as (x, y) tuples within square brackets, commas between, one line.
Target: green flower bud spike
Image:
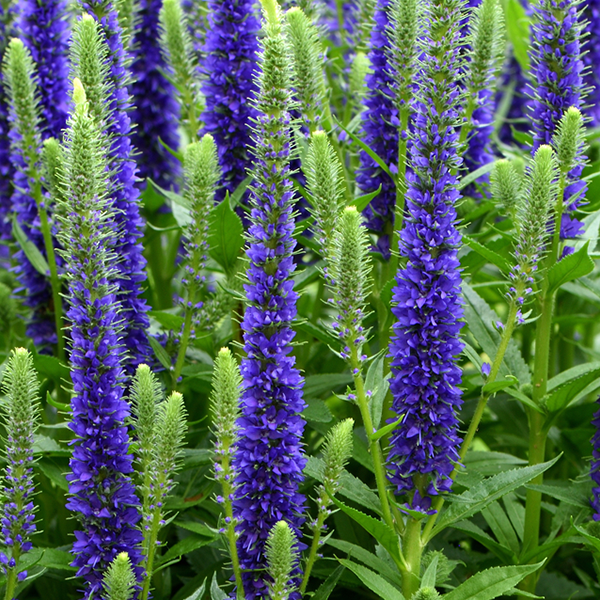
[(119, 580), (336, 453), (202, 173), (179, 54), (21, 419), (569, 140), (169, 435), (145, 396), (350, 274), (282, 559), (485, 58), (225, 407), (22, 91), (89, 57), (357, 84), (308, 80), (324, 181), (506, 184)]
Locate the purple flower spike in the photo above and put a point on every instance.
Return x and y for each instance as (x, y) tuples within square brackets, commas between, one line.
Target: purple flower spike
[(426, 339), (125, 195), (556, 85), (269, 460), (156, 112), (591, 58), (100, 487), (380, 132), (45, 30), (229, 65)]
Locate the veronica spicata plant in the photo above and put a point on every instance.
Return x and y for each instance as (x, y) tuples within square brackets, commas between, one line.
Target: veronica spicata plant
[(269, 459)]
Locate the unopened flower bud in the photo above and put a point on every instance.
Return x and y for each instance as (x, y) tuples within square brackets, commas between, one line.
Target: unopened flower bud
[(119, 580), (569, 139), (282, 557)]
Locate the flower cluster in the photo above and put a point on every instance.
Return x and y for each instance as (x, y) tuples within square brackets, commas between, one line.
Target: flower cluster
[(101, 491), (123, 190), (380, 132), (426, 343), (269, 459), (229, 65), (156, 112), (591, 58)]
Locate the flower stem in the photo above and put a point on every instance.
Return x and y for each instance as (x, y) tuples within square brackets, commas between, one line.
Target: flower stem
[(481, 404), (231, 536), (11, 576), (150, 548), (314, 547), (412, 547), (376, 454)]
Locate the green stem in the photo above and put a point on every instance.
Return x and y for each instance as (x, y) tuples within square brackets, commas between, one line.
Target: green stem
[(231, 536), (150, 547), (11, 578), (479, 410), (183, 344), (412, 548), (314, 547), (376, 454)]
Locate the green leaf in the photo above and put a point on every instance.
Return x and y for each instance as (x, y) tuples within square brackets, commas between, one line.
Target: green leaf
[(374, 582), (504, 554), (34, 256), (368, 558), (236, 197), (378, 385), (501, 526), (385, 430), (316, 411), (199, 593), (216, 593), (482, 494), (496, 386), (488, 254), (186, 545), (60, 406), (361, 202), (54, 473), (44, 445), (317, 385), (475, 175), (370, 152), (166, 319), (517, 30), (195, 527), (491, 463), (57, 559), (225, 236), (570, 267), (328, 585), (51, 367), (351, 487), (491, 583), (384, 534), (160, 352), (563, 388), (430, 576), (481, 319), (196, 457)]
